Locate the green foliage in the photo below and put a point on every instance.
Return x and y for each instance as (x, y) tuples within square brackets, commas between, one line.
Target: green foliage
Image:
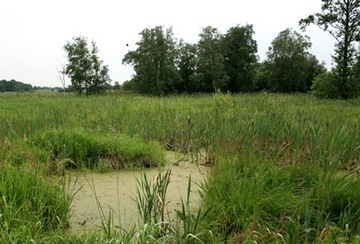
[(289, 65), (30, 205), (239, 50), (187, 68), (14, 86), (154, 62), (86, 71), (211, 74), (342, 20), (78, 148), (226, 62), (324, 86), (129, 85), (355, 78)]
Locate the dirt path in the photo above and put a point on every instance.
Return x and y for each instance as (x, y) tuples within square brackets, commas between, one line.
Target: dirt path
[(116, 190)]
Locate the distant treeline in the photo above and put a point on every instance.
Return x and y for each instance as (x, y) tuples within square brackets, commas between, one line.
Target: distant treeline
[(14, 86)]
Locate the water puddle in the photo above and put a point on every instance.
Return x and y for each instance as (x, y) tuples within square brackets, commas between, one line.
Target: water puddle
[(116, 190)]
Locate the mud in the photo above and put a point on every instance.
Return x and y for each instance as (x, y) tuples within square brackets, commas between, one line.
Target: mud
[(97, 193)]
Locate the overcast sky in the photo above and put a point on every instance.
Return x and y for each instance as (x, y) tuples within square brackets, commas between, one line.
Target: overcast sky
[(34, 32)]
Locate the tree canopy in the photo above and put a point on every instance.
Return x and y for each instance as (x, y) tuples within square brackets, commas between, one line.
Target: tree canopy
[(154, 62), (211, 63), (340, 18), (14, 86), (216, 62), (85, 69), (240, 55), (289, 65)]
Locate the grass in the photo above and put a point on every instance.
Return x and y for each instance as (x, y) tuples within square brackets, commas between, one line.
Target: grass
[(264, 202), (30, 205), (276, 159), (93, 150)]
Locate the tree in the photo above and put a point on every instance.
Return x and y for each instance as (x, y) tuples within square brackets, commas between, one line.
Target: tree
[(14, 86), (117, 86), (154, 62), (86, 71), (290, 66), (211, 64), (128, 85), (187, 67), (355, 75), (340, 18), (239, 50), (61, 75)]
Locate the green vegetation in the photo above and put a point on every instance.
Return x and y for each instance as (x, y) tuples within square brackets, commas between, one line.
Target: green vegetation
[(14, 86), (228, 62), (289, 66), (341, 19), (30, 205), (85, 150), (284, 167), (295, 204), (85, 69)]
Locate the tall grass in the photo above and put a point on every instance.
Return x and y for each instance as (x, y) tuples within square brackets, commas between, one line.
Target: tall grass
[(276, 157), (90, 150), (268, 203), (294, 128), (30, 205), (158, 225)]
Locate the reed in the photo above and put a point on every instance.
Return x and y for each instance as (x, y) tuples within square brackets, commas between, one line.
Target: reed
[(279, 158)]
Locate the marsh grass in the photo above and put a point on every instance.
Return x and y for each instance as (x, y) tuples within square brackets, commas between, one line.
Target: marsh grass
[(31, 205), (276, 158), (158, 225), (57, 150), (264, 202), (151, 200), (289, 128)]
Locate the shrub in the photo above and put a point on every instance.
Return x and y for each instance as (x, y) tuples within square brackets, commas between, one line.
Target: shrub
[(324, 86)]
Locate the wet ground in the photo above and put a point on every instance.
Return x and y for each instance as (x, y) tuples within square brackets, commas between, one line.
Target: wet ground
[(97, 193)]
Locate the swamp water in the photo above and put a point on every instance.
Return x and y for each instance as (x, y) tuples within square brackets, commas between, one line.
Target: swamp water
[(96, 192)]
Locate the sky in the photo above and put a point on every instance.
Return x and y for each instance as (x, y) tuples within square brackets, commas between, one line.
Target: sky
[(33, 33)]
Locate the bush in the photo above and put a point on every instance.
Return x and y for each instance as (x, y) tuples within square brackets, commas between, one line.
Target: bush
[(324, 86)]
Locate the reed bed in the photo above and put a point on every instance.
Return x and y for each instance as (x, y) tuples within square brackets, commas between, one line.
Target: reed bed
[(280, 159), (290, 128)]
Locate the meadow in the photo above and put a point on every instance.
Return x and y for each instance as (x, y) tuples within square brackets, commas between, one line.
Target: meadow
[(284, 168)]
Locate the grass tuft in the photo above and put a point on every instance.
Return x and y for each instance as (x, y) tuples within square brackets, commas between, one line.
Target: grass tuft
[(79, 148)]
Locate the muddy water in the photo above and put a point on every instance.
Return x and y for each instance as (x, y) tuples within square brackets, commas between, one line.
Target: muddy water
[(116, 190)]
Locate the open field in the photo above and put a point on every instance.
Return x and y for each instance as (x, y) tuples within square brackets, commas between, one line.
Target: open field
[(284, 168)]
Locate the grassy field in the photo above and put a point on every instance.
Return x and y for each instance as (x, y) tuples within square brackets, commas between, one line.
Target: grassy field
[(284, 167)]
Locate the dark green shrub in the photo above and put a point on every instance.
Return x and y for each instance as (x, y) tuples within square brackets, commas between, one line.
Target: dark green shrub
[(324, 86)]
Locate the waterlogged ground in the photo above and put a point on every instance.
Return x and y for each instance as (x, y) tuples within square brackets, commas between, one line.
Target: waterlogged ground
[(97, 193)]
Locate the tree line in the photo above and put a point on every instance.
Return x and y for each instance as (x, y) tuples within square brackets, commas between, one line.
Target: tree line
[(14, 86), (226, 62), (229, 62)]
